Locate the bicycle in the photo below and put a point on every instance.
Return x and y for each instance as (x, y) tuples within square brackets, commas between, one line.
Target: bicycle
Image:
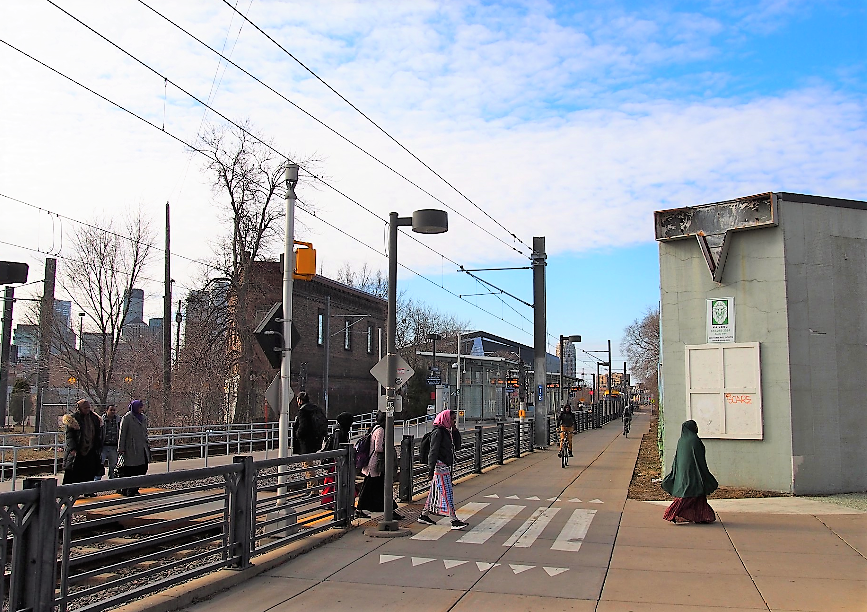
[(626, 423), (564, 449)]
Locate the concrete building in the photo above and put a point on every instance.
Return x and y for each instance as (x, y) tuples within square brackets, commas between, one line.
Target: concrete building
[(568, 358), (764, 338)]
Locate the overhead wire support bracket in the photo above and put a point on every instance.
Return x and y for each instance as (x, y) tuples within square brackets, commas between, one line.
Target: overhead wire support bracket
[(492, 286), (496, 269)]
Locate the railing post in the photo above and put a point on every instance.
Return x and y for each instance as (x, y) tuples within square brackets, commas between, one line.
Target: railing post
[(477, 450), (501, 428), (532, 434), (40, 556), (517, 439), (346, 485), (407, 458), (242, 513)]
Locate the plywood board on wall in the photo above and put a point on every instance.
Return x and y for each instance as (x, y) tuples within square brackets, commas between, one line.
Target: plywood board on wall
[(724, 390)]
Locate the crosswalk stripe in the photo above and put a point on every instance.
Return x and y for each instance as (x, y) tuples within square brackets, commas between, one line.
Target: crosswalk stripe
[(573, 532), (485, 566), (387, 558), (435, 532), (491, 525), (450, 563), (520, 568), (532, 528), (554, 571)]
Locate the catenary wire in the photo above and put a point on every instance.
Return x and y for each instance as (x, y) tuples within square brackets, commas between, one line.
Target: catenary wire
[(238, 126), (377, 126), (328, 127), (206, 154)]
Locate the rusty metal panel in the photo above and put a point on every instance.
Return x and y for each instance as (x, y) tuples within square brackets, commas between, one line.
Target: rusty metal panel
[(752, 212)]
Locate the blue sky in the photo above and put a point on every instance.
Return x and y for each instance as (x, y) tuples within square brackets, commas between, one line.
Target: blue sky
[(569, 120)]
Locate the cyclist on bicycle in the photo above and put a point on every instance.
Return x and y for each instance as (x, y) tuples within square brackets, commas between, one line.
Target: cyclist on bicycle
[(627, 417), (566, 423)]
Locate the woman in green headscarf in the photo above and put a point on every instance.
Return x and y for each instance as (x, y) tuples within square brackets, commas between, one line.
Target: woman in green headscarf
[(689, 482)]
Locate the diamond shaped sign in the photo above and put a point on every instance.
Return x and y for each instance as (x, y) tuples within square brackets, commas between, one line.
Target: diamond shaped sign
[(404, 372)]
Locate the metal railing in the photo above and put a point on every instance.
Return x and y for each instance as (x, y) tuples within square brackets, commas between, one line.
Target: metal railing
[(68, 552)]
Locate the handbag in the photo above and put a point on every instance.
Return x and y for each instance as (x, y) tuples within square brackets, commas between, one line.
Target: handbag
[(120, 462)]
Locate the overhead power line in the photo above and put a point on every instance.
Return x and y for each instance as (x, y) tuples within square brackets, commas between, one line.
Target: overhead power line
[(378, 127), (206, 154), (328, 127)]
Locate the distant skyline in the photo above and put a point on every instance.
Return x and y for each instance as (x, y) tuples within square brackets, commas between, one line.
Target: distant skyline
[(573, 121)]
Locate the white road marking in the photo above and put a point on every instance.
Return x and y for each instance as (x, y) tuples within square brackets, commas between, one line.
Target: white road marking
[(450, 563), (494, 496), (512, 497), (387, 558), (534, 498), (553, 571), (491, 525), (596, 501), (520, 568), (421, 560), (553, 499), (573, 532), (435, 532), (576, 500), (485, 566), (532, 528)]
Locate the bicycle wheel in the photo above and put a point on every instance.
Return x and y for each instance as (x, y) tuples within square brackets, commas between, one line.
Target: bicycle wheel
[(564, 455)]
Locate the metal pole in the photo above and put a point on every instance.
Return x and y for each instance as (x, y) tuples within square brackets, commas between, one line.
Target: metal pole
[(388, 523), (560, 394), (8, 300), (538, 258), (327, 327), (608, 381), (288, 267), (167, 324), (460, 374), (46, 327)]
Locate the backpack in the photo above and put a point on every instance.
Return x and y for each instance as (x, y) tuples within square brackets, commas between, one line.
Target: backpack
[(362, 450), (331, 442), (320, 423), (424, 447)]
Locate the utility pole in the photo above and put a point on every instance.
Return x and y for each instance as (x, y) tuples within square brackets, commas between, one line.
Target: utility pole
[(178, 319), (538, 258), (167, 324), (326, 327), (288, 268), (8, 301), (46, 324), (608, 400)]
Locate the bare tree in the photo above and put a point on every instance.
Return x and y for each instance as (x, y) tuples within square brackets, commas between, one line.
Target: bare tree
[(104, 267), (248, 183), (365, 279), (641, 343)]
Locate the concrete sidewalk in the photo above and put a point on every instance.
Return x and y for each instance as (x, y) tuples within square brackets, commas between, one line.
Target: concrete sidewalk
[(543, 538)]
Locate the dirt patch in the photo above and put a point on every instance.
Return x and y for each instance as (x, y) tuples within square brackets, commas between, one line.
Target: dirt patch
[(646, 475)]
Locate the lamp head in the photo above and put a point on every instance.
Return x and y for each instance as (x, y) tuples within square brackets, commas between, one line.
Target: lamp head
[(292, 174), (575, 338), (430, 221)]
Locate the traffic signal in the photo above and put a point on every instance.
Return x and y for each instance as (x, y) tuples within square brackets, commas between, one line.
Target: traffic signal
[(12, 272), (269, 335)]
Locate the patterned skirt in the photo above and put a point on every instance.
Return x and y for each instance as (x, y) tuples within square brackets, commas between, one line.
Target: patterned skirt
[(441, 499), (695, 509)]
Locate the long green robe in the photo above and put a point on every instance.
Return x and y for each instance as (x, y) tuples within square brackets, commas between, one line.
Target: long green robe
[(689, 476)]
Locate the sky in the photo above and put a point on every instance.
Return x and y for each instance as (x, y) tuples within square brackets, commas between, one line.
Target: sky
[(568, 120)]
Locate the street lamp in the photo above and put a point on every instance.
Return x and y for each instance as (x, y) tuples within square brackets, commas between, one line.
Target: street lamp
[(427, 221), (575, 338)]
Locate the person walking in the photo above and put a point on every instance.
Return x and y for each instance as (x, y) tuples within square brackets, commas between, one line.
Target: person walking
[(309, 431), (110, 432), (690, 481), (133, 449), (333, 442), (444, 442), (372, 495), (566, 423), (82, 456)]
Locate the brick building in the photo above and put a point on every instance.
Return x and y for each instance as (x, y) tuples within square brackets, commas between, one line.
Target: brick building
[(341, 330)]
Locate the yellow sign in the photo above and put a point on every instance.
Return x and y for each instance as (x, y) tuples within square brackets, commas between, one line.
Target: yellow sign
[(460, 413), (522, 414)]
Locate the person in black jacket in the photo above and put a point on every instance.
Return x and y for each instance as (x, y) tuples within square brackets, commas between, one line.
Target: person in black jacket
[(566, 422), (445, 441), (82, 462), (309, 431)]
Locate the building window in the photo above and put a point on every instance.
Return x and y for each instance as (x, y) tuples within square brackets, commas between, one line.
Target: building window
[(347, 335), (320, 334), (370, 339)]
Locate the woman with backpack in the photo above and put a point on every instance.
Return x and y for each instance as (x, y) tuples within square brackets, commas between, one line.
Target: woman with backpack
[(444, 441), (372, 493)]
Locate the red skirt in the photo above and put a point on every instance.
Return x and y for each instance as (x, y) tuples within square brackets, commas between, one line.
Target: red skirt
[(694, 509)]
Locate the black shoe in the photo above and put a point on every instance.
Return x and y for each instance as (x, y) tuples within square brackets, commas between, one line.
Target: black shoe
[(361, 514), (458, 524), (570, 453), (424, 519)]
